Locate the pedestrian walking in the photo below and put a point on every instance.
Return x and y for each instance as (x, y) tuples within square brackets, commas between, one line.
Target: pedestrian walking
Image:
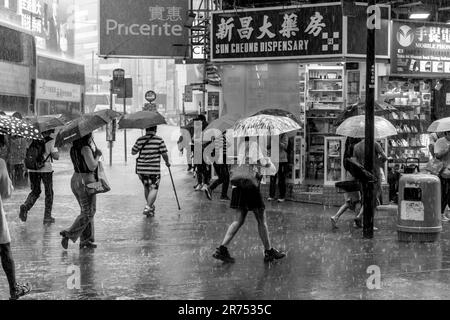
[(40, 156), (17, 148), (85, 157), (282, 172), (380, 158), (246, 196), (352, 197), (203, 171), (222, 170), (150, 148), (16, 290), (442, 153)]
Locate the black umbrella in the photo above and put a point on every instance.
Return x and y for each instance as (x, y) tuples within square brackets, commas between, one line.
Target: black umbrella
[(141, 120), (19, 128), (84, 125)]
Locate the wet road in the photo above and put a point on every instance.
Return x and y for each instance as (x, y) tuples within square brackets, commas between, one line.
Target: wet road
[(169, 257)]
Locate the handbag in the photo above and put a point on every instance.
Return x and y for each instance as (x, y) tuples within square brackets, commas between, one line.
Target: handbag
[(435, 167), (244, 177), (100, 185)]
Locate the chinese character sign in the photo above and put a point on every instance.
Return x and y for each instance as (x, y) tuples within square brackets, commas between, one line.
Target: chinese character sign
[(144, 28), (273, 34), (420, 48)]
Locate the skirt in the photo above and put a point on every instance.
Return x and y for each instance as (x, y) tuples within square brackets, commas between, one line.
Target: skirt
[(246, 199), (5, 237)]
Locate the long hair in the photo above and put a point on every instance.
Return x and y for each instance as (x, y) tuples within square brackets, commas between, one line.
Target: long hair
[(82, 142)]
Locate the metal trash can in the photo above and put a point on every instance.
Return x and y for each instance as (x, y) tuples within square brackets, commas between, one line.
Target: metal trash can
[(419, 208)]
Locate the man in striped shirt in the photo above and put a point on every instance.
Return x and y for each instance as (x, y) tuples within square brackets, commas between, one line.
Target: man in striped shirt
[(150, 149)]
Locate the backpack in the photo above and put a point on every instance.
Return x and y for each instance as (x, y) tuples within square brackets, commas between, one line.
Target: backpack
[(34, 158)]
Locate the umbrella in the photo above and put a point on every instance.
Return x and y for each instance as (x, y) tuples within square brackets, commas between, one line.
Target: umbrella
[(279, 113), (355, 127), (264, 125), (222, 124), (442, 125), (19, 128), (46, 123), (88, 123), (141, 120)]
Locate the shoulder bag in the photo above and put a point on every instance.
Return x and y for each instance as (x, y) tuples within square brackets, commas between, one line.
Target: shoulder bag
[(94, 182)]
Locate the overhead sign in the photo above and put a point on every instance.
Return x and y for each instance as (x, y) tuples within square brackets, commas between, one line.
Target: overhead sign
[(279, 33), (420, 48), (57, 91), (150, 96), (143, 28)]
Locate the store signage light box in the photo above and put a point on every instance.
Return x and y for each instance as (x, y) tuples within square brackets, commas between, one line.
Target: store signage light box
[(143, 28), (279, 33), (420, 48)]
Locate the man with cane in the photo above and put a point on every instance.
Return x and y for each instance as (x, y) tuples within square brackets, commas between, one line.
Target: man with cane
[(150, 149)]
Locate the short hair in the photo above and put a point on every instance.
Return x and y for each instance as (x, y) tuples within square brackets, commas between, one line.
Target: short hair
[(152, 129)]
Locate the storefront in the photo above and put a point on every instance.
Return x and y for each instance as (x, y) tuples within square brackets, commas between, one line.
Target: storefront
[(308, 60)]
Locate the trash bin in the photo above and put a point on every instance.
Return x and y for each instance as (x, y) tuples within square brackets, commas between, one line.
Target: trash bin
[(419, 208)]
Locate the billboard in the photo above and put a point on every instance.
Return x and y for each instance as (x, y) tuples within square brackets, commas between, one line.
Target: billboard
[(278, 33), (143, 28), (420, 48), (52, 22)]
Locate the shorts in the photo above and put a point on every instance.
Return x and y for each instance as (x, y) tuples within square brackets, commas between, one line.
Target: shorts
[(150, 180), (352, 199)]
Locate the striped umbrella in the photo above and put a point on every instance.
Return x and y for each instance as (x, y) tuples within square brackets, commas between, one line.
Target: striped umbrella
[(264, 125), (279, 113)]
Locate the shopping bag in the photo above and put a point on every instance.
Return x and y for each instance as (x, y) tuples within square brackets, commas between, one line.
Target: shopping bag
[(100, 183), (434, 167)]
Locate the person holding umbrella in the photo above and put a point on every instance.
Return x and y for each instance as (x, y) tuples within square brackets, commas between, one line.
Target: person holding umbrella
[(150, 149), (85, 157)]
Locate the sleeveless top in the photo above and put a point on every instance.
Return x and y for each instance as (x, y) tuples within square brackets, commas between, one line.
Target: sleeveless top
[(78, 161)]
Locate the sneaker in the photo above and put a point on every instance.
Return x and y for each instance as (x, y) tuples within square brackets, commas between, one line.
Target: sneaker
[(149, 212), (23, 215), (333, 223), (208, 192), (272, 255), (281, 200), (222, 254), (49, 220), (20, 291), (224, 199), (444, 218), (199, 187)]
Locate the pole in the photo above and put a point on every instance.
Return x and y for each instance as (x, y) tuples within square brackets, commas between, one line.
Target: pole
[(111, 107), (125, 112), (369, 188)]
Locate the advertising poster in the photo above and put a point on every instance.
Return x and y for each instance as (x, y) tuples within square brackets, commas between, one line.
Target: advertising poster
[(420, 48), (142, 28), (278, 33)]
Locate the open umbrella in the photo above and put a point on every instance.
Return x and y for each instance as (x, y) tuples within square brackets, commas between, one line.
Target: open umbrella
[(264, 125), (19, 128), (46, 123), (84, 125), (441, 125), (141, 120), (221, 125), (279, 113), (355, 127)]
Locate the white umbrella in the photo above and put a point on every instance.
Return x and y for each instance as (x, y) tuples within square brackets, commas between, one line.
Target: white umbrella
[(355, 127), (264, 125), (441, 125)]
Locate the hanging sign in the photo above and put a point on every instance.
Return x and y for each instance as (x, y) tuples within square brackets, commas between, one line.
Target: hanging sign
[(278, 33), (420, 48)]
